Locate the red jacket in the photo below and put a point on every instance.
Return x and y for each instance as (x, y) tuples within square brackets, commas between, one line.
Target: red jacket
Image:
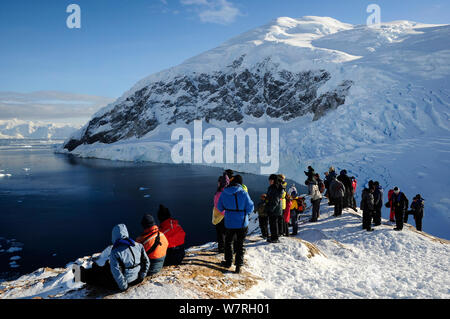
[(287, 211), (173, 231), (354, 183)]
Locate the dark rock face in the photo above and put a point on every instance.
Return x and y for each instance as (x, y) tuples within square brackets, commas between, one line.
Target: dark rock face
[(226, 95)]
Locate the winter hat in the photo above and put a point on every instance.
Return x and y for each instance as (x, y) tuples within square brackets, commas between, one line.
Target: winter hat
[(396, 190), (163, 213), (147, 221), (343, 172)]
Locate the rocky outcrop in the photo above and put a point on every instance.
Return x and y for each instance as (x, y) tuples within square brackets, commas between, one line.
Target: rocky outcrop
[(228, 95)]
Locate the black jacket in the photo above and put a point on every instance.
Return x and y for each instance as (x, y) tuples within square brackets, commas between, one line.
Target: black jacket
[(400, 202), (367, 200), (346, 181), (273, 201)]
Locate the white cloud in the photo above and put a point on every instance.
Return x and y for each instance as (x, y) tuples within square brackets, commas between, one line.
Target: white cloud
[(50, 105), (214, 11)]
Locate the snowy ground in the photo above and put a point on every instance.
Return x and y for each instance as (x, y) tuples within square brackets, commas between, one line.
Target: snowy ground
[(333, 258)]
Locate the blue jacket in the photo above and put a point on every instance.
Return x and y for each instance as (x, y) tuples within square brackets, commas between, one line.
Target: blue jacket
[(237, 205), (128, 260)]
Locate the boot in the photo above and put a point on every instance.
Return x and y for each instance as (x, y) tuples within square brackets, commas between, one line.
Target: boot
[(238, 269)]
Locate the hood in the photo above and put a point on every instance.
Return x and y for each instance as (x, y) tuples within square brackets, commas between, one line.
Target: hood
[(119, 231), (232, 189)]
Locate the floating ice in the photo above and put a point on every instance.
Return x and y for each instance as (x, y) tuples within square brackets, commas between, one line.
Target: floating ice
[(14, 249), (14, 258), (143, 188), (146, 196), (14, 265)]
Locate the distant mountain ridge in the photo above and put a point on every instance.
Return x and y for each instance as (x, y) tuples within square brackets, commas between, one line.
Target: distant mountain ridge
[(20, 129)]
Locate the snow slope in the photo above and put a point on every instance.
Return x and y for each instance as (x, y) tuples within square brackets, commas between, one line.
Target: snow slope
[(19, 129), (333, 258)]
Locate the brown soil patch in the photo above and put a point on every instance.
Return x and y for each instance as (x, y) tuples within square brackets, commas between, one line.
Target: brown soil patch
[(313, 250), (201, 273)]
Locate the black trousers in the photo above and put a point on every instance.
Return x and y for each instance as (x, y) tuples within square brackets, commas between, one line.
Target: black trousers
[(285, 230), (174, 256), (418, 216), (294, 221), (338, 205), (399, 218), (273, 223), (315, 209), (220, 231), (237, 236), (280, 225), (99, 276), (367, 219), (264, 225), (377, 216)]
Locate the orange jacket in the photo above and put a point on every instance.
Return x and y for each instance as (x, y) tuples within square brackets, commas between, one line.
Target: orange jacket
[(148, 238)]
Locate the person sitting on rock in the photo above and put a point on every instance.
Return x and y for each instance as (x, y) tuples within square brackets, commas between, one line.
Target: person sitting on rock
[(175, 236), (120, 266), (155, 244)]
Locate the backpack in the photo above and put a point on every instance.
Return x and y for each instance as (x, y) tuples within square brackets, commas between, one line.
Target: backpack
[(321, 186)]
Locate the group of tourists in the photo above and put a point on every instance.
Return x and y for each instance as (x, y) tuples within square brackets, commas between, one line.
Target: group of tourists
[(127, 262), (279, 208)]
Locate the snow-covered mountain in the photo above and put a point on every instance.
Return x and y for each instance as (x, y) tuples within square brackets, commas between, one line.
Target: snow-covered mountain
[(19, 129), (374, 101)]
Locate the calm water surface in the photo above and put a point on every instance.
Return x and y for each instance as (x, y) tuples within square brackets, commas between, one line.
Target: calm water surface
[(55, 208)]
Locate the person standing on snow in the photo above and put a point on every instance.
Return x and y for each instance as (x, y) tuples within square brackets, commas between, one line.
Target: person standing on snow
[(354, 186), (316, 197), (263, 219), (237, 205), (343, 177), (283, 184), (274, 206), (367, 206), (400, 205), (217, 220), (337, 192), (390, 206), (417, 207), (329, 178), (378, 203)]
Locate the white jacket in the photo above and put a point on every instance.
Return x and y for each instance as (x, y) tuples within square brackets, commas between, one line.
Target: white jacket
[(315, 192)]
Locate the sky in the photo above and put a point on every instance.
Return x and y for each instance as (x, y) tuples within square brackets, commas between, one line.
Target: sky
[(123, 41)]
